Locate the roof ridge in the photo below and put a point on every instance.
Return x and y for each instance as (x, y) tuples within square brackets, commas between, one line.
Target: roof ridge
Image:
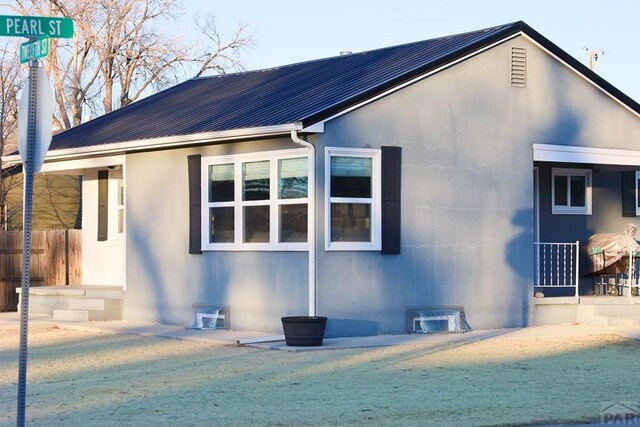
[(364, 52)]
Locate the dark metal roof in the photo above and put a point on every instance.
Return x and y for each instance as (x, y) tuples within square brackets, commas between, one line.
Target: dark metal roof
[(305, 93)]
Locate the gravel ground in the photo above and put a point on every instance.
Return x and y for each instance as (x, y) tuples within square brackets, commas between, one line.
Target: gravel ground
[(92, 378)]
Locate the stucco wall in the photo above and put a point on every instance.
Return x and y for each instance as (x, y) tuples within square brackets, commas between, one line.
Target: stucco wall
[(466, 202), (164, 281), (467, 207)]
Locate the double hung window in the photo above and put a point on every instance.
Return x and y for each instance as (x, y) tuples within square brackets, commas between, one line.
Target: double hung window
[(256, 202), (352, 188)]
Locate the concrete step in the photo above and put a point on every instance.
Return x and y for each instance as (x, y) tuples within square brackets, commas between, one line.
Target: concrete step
[(623, 321), (94, 303), (97, 292), (612, 321), (631, 310), (69, 315), (45, 299)]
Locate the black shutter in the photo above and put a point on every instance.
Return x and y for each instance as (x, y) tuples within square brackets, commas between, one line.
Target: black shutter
[(391, 188), (629, 193), (195, 212), (103, 205)]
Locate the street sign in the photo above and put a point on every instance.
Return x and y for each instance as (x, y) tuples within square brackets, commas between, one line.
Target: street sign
[(38, 48), (44, 113), (36, 26)]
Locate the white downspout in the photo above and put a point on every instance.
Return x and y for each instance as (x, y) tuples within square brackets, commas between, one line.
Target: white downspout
[(311, 218)]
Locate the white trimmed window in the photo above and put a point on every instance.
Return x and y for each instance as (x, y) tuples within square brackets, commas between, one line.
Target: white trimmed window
[(637, 180), (116, 208), (256, 202), (111, 200), (353, 193), (571, 191)]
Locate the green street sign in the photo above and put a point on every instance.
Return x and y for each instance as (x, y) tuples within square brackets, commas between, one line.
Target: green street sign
[(35, 49), (36, 26)]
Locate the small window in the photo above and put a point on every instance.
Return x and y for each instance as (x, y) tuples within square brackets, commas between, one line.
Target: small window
[(116, 203), (120, 206), (111, 204), (571, 191), (637, 193), (353, 199)]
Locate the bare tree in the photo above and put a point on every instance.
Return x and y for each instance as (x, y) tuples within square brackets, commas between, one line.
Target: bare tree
[(221, 55), (122, 51)]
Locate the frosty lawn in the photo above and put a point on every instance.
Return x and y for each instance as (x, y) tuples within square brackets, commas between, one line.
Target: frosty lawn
[(89, 378)]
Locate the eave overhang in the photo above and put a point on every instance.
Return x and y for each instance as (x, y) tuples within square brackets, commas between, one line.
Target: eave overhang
[(177, 141)]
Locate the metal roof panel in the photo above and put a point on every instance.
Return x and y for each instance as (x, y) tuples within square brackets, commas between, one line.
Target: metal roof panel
[(305, 92)]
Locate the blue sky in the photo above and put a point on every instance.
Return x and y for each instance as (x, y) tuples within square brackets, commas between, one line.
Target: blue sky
[(289, 31)]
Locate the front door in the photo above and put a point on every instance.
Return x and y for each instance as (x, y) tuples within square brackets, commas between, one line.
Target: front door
[(104, 227)]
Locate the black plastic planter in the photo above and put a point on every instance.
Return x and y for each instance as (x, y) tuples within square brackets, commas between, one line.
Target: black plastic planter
[(304, 331)]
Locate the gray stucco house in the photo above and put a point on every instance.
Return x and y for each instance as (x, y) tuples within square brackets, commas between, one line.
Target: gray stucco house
[(356, 186)]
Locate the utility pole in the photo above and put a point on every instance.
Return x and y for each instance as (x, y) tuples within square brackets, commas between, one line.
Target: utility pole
[(593, 56)]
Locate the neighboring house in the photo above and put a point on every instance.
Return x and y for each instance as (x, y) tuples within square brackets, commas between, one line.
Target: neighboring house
[(57, 201), (57, 198), (430, 170)]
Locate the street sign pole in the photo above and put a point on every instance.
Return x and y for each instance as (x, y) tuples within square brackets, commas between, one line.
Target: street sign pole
[(33, 143), (27, 169)]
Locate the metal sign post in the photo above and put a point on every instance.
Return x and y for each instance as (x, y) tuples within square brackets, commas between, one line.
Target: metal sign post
[(27, 165)]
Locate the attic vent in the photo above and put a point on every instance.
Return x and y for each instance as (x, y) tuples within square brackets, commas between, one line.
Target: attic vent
[(518, 67)]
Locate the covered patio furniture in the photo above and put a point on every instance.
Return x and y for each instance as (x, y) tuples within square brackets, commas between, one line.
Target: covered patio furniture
[(608, 255)]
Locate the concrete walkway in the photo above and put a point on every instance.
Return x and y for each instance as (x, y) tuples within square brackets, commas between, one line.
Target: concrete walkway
[(276, 342)]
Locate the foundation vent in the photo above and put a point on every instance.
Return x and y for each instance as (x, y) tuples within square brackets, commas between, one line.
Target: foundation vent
[(518, 67)]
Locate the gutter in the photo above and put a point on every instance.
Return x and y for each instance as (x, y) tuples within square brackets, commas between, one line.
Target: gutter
[(311, 219), (176, 141)]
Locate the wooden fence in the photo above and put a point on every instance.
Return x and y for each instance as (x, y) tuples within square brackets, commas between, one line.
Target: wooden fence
[(56, 260)]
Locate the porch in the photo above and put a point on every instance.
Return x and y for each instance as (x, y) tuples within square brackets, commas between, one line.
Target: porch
[(568, 291), (572, 270)]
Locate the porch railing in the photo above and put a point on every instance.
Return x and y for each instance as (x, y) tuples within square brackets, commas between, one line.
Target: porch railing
[(556, 265)]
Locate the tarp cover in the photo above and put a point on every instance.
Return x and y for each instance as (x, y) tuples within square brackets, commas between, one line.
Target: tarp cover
[(606, 249)]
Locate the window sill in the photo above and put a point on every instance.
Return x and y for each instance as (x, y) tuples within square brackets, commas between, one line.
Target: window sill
[(352, 246), (556, 210), (259, 247)]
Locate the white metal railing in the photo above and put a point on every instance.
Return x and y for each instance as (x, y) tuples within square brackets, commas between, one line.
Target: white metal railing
[(556, 265)]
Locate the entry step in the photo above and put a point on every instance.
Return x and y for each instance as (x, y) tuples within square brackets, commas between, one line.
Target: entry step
[(71, 315)]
